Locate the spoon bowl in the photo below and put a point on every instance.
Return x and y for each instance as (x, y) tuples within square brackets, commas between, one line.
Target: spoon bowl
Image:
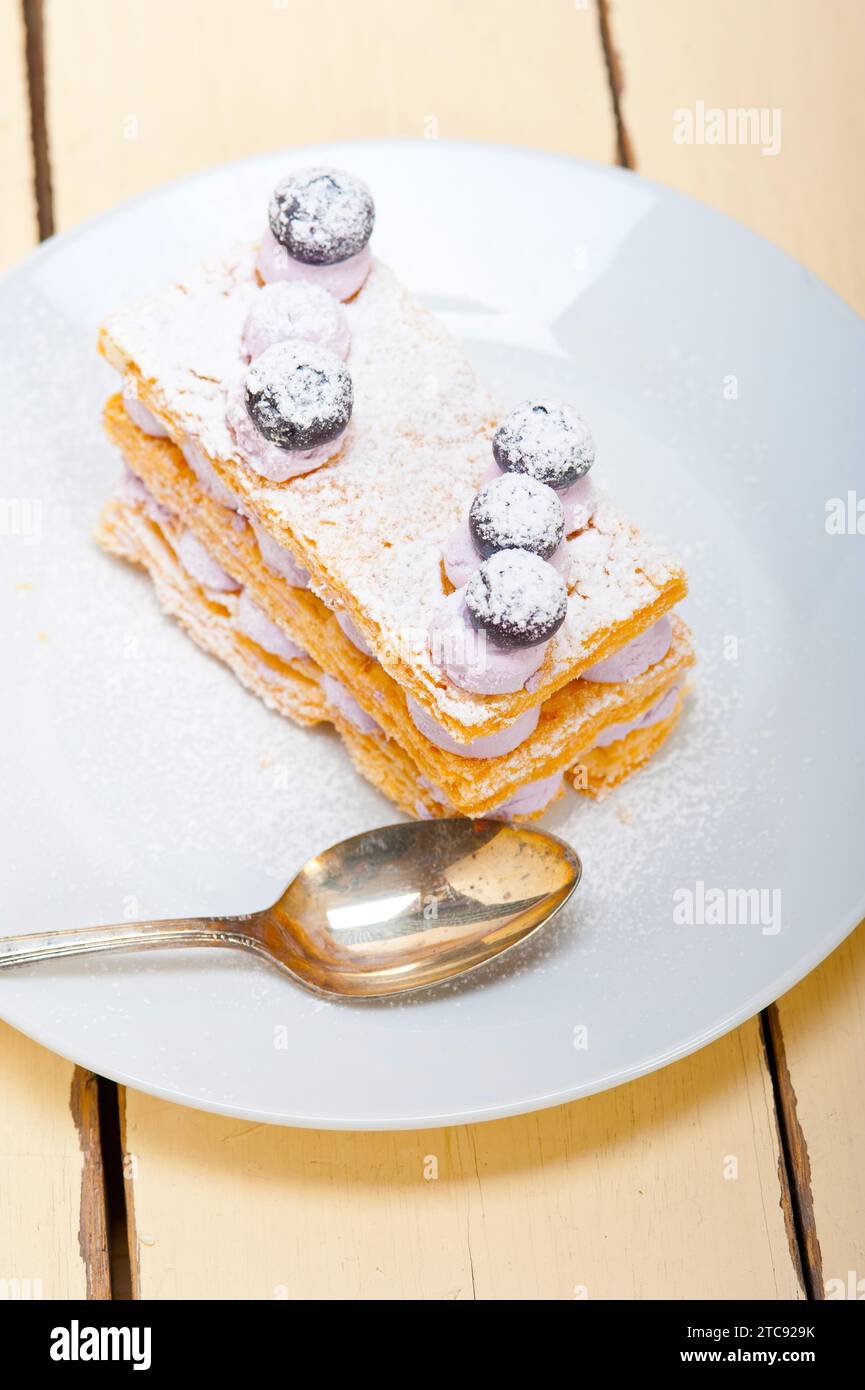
[(381, 913)]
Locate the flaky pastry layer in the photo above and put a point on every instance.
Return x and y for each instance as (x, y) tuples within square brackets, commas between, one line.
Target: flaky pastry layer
[(294, 688), (599, 770), (571, 719)]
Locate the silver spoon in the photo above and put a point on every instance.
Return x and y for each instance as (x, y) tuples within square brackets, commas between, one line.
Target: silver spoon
[(384, 912)]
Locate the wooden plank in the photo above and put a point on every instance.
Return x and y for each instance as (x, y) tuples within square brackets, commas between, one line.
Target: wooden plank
[(142, 93), (629, 1194), (52, 1218), (804, 61), (808, 62), (18, 223)]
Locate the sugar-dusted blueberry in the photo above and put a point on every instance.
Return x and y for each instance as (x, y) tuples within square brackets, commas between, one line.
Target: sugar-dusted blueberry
[(516, 598), (298, 395), (321, 216), (549, 441), (514, 512)]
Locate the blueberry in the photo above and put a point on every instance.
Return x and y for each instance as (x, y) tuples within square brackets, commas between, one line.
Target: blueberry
[(514, 512), (298, 395), (517, 598), (550, 442), (321, 216)]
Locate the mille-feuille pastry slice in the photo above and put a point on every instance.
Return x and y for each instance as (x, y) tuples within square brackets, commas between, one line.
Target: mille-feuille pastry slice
[(193, 588), (355, 437), (472, 778)]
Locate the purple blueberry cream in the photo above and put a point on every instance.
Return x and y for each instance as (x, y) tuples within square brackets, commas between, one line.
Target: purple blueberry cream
[(552, 444), (131, 489), (342, 700), (491, 636), (660, 710), (352, 632), (254, 623), (140, 415), (320, 221), (295, 309), (487, 746), (528, 800), (200, 565), (290, 411), (635, 657), (462, 651), (207, 476), (279, 558)]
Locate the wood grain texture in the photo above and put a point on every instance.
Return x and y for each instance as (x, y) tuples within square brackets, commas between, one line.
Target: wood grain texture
[(52, 1222), (18, 225), (808, 62), (622, 1195), (93, 1224), (142, 93)]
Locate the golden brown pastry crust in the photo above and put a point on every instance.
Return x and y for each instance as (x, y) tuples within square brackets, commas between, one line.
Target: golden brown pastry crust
[(571, 717), (600, 769), (294, 688)]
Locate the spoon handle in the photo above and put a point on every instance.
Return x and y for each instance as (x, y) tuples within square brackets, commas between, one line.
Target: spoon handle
[(122, 936)]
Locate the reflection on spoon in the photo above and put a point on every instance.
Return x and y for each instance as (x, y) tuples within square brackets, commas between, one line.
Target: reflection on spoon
[(391, 910)]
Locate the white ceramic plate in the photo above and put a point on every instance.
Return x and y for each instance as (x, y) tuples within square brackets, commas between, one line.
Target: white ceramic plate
[(723, 384)]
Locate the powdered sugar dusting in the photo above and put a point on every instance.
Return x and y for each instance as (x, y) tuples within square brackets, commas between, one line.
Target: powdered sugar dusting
[(295, 309), (517, 597), (299, 395), (265, 459), (321, 215), (515, 512), (549, 441), (373, 524)]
